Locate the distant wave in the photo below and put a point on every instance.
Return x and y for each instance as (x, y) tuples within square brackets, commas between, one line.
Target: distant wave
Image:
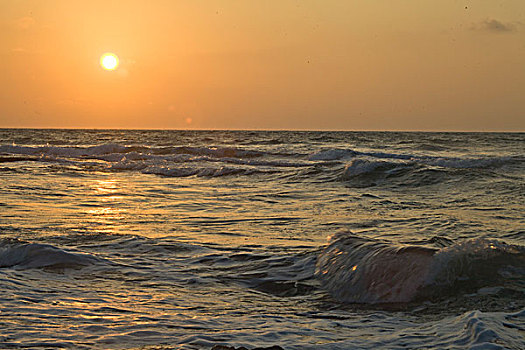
[(469, 163), (200, 172), (15, 253), (64, 151), (163, 161), (358, 167), (450, 162), (361, 270), (332, 154), (342, 154), (418, 171), (111, 148), (367, 168)]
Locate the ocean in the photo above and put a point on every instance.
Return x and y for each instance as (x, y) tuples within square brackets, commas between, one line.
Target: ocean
[(123, 239)]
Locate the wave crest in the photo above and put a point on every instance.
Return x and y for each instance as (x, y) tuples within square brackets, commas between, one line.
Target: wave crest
[(364, 166), (362, 270)]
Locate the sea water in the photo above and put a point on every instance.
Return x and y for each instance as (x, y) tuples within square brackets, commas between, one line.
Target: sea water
[(120, 239)]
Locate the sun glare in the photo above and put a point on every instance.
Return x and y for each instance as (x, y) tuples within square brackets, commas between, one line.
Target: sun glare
[(109, 61)]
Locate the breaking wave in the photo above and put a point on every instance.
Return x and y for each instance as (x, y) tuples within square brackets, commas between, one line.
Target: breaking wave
[(450, 162), (361, 270), (182, 161), (358, 167), (163, 161)]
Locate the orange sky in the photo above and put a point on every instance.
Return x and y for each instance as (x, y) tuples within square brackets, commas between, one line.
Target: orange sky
[(338, 65)]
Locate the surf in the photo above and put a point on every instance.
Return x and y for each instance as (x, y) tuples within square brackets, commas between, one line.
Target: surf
[(356, 269)]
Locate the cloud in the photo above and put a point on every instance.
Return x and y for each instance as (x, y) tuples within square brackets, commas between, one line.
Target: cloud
[(22, 50), (25, 22), (495, 26)]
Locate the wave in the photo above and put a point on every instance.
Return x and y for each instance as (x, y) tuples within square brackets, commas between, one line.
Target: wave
[(342, 154), (15, 253), (112, 152), (162, 161), (465, 330), (445, 162), (64, 151), (199, 172), (11, 159), (361, 169), (365, 172), (469, 163), (332, 154), (361, 270), (358, 167), (111, 148)]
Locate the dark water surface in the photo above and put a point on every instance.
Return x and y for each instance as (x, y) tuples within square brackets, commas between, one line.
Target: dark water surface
[(307, 240)]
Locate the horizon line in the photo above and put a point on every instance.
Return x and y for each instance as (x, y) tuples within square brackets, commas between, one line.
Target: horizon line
[(264, 130)]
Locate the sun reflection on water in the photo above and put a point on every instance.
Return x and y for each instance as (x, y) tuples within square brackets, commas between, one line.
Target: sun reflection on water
[(106, 187), (105, 211)]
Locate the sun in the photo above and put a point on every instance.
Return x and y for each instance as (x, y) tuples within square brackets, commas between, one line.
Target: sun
[(109, 61)]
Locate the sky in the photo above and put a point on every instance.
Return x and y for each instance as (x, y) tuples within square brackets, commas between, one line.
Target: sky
[(432, 65)]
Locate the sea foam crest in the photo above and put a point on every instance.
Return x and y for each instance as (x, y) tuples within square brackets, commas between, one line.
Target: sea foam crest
[(14, 253), (363, 270)]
